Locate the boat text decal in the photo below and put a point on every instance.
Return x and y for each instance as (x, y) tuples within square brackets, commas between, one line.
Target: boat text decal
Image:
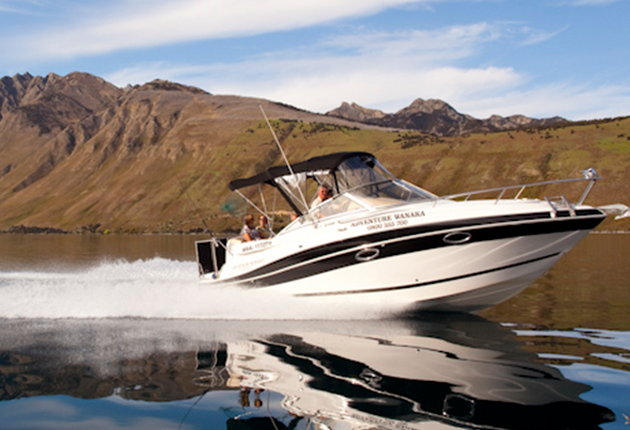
[(255, 245), (248, 264), (386, 221)]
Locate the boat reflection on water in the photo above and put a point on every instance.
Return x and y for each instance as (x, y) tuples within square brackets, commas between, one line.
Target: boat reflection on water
[(454, 369), (436, 371)]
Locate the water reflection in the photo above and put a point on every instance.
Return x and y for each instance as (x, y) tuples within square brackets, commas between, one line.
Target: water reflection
[(439, 371)]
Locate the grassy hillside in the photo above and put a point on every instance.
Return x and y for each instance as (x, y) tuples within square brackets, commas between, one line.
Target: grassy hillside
[(164, 187), (451, 165)]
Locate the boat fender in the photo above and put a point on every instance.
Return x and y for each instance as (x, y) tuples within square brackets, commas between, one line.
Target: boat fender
[(457, 237)]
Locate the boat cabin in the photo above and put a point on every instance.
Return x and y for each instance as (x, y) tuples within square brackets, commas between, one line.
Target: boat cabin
[(316, 189), (354, 180)]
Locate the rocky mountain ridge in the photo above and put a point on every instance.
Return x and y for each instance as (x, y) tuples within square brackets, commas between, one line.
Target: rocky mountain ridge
[(80, 154), (79, 149), (437, 117)]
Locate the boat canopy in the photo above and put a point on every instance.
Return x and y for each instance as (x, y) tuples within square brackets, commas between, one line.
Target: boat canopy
[(324, 163), (350, 177)]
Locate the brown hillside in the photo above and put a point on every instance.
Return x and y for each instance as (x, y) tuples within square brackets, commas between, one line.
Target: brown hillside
[(77, 153)]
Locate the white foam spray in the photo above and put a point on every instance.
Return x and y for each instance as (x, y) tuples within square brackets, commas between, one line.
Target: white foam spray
[(154, 288)]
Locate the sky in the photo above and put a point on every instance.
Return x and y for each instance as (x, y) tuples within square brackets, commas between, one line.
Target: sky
[(538, 58)]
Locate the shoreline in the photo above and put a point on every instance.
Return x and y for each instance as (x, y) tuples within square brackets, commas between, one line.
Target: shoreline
[(83, 231), (35, 230)]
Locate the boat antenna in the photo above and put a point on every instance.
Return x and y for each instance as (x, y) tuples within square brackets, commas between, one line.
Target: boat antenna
[(203, 220), (286, 160)]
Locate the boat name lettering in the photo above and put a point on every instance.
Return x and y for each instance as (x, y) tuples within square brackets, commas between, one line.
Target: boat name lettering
[(262, 244), (370, 221), (251, 246), (387, 221), (405, 215)]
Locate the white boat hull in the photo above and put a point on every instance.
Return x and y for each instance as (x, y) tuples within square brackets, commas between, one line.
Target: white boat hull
[(466, 278), (460, 265)]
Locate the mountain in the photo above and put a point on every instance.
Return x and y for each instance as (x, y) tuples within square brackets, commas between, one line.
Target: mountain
[(42, 120), (437, 117), (78, 151), (80, 154), (354, 112)]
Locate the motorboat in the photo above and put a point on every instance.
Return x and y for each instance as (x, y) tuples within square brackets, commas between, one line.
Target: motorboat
[(378, 240)]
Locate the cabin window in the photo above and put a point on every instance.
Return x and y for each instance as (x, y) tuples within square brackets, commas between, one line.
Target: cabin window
[(338, 204)]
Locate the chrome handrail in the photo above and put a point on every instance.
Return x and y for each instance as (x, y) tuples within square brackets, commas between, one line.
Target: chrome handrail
[(588, 175)]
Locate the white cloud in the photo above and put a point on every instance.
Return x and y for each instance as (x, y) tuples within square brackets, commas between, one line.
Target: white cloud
[(573, 101), (462, 38), (535, 36), (149, 23), (379, 70), (377, 79)]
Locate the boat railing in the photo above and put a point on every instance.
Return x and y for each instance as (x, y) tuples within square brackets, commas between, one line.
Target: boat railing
[(587, 175)]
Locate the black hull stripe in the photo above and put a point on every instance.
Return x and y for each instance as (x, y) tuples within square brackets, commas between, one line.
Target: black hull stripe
[(385, 236), (403, 241), (425, 284)]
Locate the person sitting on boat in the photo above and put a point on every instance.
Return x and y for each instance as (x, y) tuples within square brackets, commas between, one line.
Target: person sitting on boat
[(263, 229), (323, 194), (248, 232)]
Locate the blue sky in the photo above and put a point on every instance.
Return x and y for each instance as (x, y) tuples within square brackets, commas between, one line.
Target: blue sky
[(534, 57)]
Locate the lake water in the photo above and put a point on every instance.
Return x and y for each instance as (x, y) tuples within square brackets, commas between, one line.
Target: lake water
[(114, 332)]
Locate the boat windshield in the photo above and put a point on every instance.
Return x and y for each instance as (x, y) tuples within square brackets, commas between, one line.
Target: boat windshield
[(357, 182)]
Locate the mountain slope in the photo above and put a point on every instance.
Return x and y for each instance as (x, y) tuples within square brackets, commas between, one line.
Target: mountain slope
[(80, 154), (76, 150)]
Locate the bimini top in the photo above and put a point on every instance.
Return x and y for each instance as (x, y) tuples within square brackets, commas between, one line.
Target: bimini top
[(322, 163)]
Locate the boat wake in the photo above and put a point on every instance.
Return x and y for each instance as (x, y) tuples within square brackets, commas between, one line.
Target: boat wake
[(153, 288)]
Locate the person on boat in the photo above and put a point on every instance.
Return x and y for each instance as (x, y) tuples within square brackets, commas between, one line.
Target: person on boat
[(263, 228), (249, 232), (323, 194)]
